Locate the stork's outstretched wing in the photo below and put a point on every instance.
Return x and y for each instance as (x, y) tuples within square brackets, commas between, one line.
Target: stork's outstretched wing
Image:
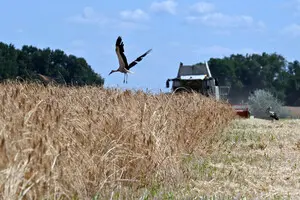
[(120, 53), (138, 60)]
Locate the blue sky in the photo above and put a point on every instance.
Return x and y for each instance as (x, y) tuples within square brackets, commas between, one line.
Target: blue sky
[(176, 30)]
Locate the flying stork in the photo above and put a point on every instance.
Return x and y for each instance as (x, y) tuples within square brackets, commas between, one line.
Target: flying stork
[(123, 65), (272, 114)]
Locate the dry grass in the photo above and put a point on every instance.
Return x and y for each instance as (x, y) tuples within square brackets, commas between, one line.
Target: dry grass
[(253, 159), (79, 143)]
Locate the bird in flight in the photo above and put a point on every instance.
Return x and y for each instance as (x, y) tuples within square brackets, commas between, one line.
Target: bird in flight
[(123, 64)]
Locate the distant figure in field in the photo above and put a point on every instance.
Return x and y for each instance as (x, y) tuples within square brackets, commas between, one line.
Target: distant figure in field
[(272, 114)]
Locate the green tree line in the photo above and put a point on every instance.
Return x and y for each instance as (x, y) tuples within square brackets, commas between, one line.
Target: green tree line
[(246, 73), (29, 61)]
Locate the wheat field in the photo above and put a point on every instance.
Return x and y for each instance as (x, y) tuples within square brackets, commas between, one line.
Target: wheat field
[(61, 142), (96, 143)]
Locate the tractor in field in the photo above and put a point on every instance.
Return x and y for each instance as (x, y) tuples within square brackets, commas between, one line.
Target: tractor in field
[(198, 78)]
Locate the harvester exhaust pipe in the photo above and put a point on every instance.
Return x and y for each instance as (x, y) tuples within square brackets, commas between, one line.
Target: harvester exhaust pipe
[(168, 83), (208, 70)]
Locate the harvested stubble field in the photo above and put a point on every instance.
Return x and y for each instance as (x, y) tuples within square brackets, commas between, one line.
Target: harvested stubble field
[(89, 142)]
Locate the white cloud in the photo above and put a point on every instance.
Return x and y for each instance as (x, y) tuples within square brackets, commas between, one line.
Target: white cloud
[(292, 5), (203, 7), (205, 13), (292, 30), (168, 6), (220, 51), (220, 20), (131, 19), (128, 19), (222, 32), (128, 25), (134, 15), (89, 16), (298, 5), (20, 30), (261, 25)]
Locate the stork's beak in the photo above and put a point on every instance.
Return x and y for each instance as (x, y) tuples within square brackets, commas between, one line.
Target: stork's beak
[(110, 73)]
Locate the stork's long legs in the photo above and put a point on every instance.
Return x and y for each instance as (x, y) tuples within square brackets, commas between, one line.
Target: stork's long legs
[(125, 78)]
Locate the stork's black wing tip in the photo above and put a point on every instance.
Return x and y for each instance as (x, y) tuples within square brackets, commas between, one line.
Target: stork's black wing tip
[(119, 41), (119, 38)]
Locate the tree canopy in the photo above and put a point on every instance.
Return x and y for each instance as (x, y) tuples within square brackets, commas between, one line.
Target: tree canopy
[(29, 61), (246, 73)]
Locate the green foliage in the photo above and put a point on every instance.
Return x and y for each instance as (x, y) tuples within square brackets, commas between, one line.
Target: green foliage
[(26, 63), (246, 73)]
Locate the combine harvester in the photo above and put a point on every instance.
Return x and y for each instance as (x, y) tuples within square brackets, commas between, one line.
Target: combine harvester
[(198, 78)]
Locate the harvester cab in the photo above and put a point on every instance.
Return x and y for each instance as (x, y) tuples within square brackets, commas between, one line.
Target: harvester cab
[(197, 78)]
